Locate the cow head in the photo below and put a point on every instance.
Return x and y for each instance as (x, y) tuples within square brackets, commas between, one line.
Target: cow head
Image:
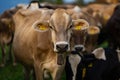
[(60, 25), (85, 38), (79, 34)]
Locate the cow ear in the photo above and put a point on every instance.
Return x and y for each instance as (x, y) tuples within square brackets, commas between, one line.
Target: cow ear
[(80, 24), (92, 30), (99, 53), (41, 26)]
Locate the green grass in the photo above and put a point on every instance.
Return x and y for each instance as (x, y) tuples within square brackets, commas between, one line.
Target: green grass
[(10, 72)]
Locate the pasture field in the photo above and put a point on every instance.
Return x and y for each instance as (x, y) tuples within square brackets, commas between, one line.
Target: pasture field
[(10, 72)]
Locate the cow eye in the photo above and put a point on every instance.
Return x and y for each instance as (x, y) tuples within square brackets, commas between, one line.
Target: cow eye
[(71, 26), (51, 27)]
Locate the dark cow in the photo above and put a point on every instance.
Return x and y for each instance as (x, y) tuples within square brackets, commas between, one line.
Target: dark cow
[(111, 31), (87, 62)]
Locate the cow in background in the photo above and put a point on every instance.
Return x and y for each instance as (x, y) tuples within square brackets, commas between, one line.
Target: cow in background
[(7, 32), (107, 1)]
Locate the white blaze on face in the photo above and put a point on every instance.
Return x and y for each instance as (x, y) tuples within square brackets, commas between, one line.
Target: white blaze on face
[(60, 22), (74, 60)]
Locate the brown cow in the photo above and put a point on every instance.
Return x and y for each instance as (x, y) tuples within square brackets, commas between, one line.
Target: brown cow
[(41, 40)]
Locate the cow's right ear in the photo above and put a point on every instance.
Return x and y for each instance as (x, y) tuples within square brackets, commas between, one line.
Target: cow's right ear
[(80, 24), (92, 30), (41, 26)]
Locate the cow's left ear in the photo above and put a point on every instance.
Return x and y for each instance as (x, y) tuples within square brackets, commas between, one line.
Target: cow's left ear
[(92, 30), (80, 24), (41, 26), (99, 53)]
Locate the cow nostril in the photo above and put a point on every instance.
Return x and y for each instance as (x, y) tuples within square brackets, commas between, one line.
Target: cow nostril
[(62, 47), (78, 48)]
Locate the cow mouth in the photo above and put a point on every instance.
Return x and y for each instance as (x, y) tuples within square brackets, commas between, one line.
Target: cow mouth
[(60, 59)]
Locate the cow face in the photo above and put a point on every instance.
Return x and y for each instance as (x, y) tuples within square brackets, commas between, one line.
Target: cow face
[(60, 24), (85, 39), (79, 34)]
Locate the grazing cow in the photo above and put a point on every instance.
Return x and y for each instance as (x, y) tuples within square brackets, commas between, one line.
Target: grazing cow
[(86, 62), (41, 41)]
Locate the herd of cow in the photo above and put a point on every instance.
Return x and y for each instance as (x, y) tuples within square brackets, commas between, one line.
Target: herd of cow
[(48, 40)]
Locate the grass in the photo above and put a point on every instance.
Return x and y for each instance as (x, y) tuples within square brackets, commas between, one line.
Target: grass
[(10, 72)]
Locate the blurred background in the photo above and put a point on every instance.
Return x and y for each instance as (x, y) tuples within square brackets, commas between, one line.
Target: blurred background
[(7, 4), (10, 72)]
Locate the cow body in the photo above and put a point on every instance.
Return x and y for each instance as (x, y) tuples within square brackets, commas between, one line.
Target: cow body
[(40, 49)]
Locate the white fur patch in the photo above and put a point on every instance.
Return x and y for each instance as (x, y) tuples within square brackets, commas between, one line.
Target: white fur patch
[(99, 53), (74, 60)]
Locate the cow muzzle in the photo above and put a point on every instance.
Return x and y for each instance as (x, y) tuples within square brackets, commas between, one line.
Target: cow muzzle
[(61, 47), (79, 48)]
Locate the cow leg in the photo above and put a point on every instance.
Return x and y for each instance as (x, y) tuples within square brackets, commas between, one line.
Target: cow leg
[(3, 55), (57, 73), (27, 72), (38, 71), (11, 55)]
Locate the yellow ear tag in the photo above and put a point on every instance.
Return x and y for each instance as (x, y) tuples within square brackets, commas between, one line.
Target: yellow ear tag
[(42, 27), (90, 65), (106, 17), (83, 73), (92, 31), (78, 27)]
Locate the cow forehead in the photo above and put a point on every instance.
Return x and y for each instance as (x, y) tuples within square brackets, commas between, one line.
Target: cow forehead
[(60, 19)]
